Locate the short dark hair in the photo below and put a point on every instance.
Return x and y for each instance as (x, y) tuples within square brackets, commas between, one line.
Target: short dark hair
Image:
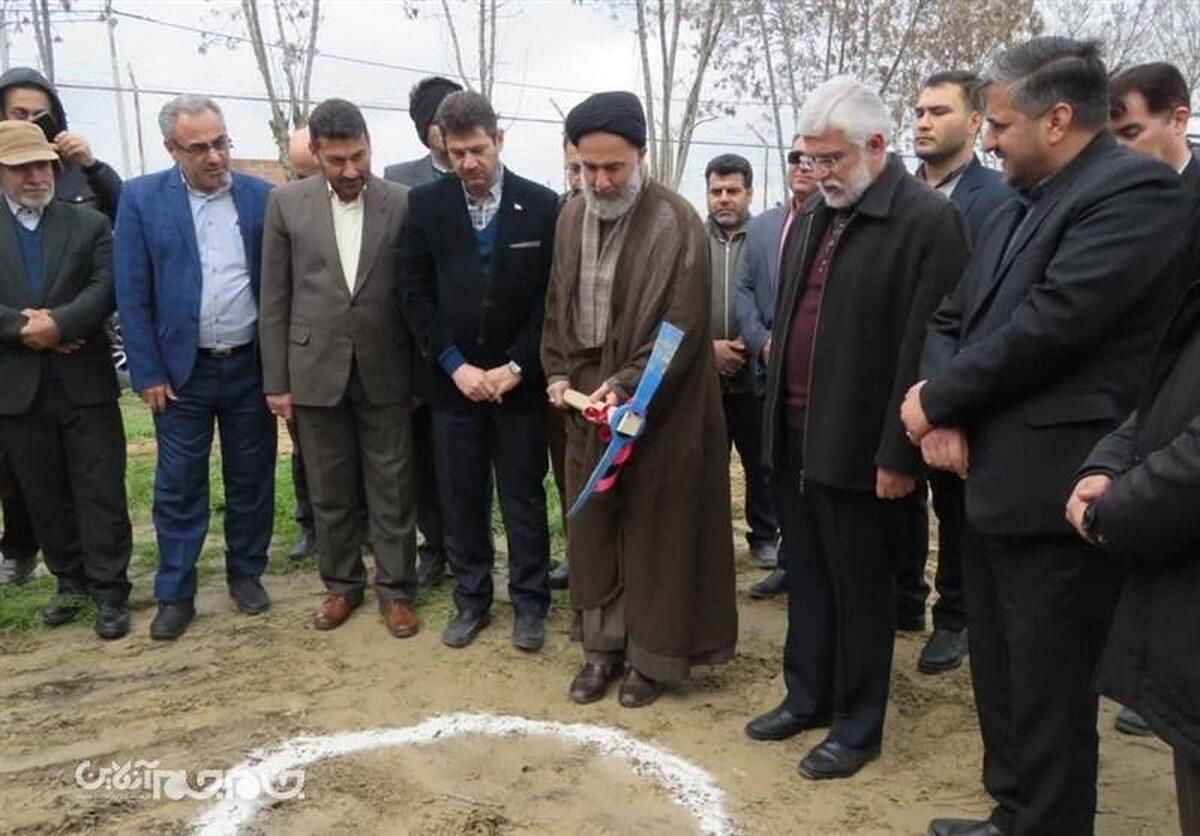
[(1044, 71), (727, 164), (972, 87), (336, 119), (464, 111), (1161, 85)]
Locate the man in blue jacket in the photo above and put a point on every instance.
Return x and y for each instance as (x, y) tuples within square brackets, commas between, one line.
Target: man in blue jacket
[(187, 260)]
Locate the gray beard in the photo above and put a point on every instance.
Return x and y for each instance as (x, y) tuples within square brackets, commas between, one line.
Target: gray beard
[(853, 189), (612, 208)]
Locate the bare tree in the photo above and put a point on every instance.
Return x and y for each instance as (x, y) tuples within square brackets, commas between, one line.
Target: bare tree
[(664, 29), (284, 55), (486, 17), (43, 33)]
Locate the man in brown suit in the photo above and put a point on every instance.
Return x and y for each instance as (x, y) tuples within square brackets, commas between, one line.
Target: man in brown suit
[(337, 360), (652, 558)]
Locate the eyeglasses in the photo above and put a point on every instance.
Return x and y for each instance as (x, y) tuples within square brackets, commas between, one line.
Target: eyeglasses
[(222, 145), (815, 162)]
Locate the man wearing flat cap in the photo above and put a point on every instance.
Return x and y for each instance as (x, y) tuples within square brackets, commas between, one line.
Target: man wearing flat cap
[(59, 418), (651, 558), (423, 102)]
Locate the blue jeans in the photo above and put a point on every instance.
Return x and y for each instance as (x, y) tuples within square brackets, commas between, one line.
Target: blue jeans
[(229, 390)]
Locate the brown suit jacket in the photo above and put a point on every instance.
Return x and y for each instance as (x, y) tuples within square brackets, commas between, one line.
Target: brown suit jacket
[(311, 327)]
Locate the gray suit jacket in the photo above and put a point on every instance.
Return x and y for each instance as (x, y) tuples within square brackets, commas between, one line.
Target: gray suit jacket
[(754, 297), (412, 173), (311, 326)]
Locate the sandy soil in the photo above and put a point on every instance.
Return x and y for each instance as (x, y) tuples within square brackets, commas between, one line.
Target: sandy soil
[(237, 683)]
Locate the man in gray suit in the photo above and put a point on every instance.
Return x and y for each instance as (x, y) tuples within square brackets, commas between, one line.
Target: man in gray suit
[(423, 102), (337, 359)]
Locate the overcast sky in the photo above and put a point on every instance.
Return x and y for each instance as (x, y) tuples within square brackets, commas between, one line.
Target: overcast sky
[(575, 48)]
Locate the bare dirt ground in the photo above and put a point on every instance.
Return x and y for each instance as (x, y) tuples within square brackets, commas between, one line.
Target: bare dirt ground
[(236, 683)]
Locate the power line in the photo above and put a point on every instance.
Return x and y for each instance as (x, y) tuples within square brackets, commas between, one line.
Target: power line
[(262, 99)]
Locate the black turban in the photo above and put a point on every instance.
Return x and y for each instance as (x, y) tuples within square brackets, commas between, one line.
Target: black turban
[(424, 100), (617, 113)]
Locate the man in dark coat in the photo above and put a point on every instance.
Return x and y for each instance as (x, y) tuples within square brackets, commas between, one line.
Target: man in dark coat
[(1042, 349), (949, 115), (863, 267), (1149, 111), (474, 259), (59, 417), (80, 178), (652, 558)]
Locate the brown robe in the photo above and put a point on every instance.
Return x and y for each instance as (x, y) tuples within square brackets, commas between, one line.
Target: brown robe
[(662, 535)]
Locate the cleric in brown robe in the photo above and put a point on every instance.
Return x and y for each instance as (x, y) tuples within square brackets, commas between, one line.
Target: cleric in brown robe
[(652, 571)]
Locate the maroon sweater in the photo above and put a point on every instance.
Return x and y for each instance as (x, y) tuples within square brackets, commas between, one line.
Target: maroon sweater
[(804, 328)]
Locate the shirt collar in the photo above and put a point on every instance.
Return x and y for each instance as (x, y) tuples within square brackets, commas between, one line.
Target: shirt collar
[(949, 178), (20, 208), (493, 193)]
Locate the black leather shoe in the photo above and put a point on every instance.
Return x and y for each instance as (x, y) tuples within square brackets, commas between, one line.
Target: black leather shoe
[(963, 827), (765, 555), (112, 621), (592, 681), (770, 586), (63, 608), (639, 691), (529, 633), (172, 619), (830, 759), (1130, 722), (943, 652), (305, 547), (431, 568), (780, 724), (248, 595), (463, 628), (560, 576)]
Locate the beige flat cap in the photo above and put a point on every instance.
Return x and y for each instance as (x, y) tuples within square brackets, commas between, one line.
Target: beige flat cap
[(23, 142)]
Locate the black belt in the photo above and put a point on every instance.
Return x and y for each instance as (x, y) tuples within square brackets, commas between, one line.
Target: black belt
[(226, 352)]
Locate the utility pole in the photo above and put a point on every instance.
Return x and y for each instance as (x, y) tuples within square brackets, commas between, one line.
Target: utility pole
[(137, 118), (110, 22)]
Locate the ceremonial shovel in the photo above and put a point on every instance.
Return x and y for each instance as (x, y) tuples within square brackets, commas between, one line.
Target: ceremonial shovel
[(619, 426)]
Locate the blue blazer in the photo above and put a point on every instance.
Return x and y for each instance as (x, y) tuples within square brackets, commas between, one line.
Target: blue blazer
[(977, 195), (157, 264)]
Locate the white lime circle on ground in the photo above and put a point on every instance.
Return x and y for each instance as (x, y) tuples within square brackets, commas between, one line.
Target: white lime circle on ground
[(688, 785)]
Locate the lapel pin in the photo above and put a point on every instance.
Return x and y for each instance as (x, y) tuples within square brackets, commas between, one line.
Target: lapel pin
[(518, 207)]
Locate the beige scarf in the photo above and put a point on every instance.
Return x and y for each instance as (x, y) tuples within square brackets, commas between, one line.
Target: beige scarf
[(601, 248)]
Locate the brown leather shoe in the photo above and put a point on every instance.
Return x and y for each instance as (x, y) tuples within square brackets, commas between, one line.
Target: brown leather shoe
[(401, 619), (638, 691), (334, 611), (591, 683)]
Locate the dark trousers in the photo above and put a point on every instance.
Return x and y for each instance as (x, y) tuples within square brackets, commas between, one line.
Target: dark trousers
[(908, 536), (352, 449), (1187, 788), (227, 390), (429, 502), (19, 541), (841, 608), (1039, 614), (70, 461), (469, 441), (743, 425), (304, 512)]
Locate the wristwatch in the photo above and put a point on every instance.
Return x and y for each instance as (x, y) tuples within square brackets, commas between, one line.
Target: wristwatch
[(514, 368), (1089, 525)]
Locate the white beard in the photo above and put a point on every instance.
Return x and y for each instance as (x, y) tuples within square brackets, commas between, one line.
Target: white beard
[(856, 185), (612, 208)]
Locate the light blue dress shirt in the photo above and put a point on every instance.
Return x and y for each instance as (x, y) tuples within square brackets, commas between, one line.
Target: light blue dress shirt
[(228, 311)]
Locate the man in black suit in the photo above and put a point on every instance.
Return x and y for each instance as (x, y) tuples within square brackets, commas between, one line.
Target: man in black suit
[(59, 418), (949, 115), (1149, 111), (474, 260), (1041, 350)]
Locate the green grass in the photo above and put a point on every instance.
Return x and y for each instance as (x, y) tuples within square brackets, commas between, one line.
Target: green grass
[(20, 605)]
